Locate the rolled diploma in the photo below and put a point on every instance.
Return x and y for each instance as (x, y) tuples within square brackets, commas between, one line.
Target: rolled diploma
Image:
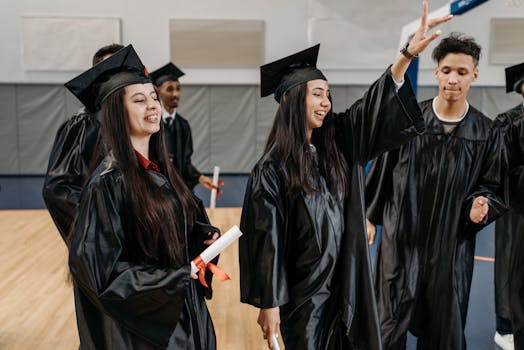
[(218, 246), (213, 199), (274, 342)]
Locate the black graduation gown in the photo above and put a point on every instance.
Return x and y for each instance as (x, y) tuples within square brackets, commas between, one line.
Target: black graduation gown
[(511, 223), (122, 303), (67, 170), (180, 146), (308, 254), (422, 194), (509, 229)]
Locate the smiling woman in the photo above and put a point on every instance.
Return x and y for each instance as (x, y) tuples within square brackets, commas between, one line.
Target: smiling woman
[(138, 225), (318, 104), (143, 111)]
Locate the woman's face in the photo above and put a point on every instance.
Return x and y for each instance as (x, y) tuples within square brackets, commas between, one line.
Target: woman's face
[(143, 110), (317, 103)]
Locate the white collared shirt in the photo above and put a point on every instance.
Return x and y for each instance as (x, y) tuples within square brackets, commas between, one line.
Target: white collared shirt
[(165, 114)]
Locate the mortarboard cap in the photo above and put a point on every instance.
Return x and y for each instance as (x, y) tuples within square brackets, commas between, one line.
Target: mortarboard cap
[(121, 69), (165, 73), (279, 76), (515, 78)]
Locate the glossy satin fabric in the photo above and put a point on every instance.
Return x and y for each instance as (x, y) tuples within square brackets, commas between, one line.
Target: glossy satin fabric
[(123, 302), (509, 229), (511, 223), (179, 144), (308, 254), (67, 169), (422, 194)]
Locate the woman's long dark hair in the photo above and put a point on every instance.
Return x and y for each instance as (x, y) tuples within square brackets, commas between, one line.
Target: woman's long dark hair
[(154, 224), (288, 137)]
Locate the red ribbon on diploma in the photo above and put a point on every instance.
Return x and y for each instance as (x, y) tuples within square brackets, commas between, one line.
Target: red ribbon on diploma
[(202, 266)]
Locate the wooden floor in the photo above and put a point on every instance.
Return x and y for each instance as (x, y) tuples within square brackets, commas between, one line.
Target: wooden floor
[(36, 300)]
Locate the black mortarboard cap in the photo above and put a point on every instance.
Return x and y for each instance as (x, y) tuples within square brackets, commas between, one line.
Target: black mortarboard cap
[(121, 69), (279, 76), (165, 73), (515, 78)]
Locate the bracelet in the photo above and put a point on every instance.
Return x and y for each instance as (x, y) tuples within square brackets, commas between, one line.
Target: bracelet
[(406, 53)]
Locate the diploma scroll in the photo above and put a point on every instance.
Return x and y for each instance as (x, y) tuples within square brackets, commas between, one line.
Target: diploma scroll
[(274, 342), (213, 199), (201, 262)]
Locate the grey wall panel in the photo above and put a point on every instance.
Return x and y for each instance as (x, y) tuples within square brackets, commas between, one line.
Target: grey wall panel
[(195, 107), (340, 97), (41, 108), (72, 104), (496, 101), (233, 128), (475, 97), (230, 124), (9, 145), (354, 93)]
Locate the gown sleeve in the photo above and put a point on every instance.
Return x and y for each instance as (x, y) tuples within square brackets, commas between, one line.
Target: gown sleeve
[(512, 125), (67, 169), (263, 276), (145, 298), (491, 183), (379, 181), (382, 120)]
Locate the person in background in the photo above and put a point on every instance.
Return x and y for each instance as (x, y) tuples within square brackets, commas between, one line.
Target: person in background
[(510, 227), (304, 259), (70, 159), (138, 225), (431, 197), (177, 131)]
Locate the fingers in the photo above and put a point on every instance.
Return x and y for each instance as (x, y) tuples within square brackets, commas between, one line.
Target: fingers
[(436, 21), (424, 18), (271, 338), (480, 200), (371, 231), (479, 209), (194, 276), (212, 239), (425, 42), (371, 237)]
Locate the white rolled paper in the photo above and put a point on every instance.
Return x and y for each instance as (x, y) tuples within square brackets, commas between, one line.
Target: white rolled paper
[(274, 342), (213, 199), (218, 246)]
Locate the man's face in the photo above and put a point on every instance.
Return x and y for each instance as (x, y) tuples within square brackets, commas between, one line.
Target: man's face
[(455, 73), (170, 94)]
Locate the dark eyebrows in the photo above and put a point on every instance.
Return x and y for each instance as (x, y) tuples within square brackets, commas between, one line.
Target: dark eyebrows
[(138, 93), (321, 89), (152, 92)]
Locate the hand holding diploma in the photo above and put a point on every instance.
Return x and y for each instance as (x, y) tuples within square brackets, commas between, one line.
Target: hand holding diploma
[(201, 262), (269, 322)]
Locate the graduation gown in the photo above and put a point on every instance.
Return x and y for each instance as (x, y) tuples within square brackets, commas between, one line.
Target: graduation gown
[(509, 229), (421, 194), (180, 146), (511, 223), (127, 303), (308, 253), (67, 170)]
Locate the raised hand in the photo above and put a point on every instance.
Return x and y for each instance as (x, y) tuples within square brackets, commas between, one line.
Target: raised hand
[(421, 40), (418, 42)]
